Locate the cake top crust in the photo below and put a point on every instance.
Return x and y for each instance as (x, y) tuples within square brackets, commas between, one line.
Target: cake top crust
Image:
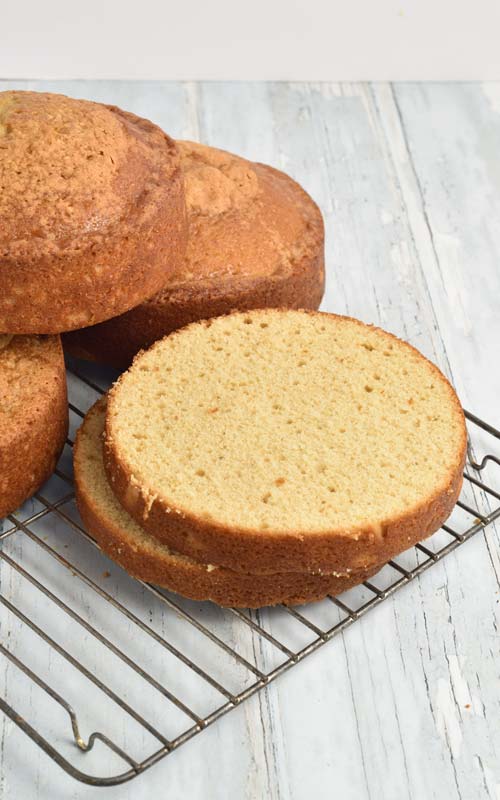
[(73, 170), (245, 219)]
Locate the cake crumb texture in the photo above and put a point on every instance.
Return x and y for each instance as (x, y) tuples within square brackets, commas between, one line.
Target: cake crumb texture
[(144, 557), (272, 439)]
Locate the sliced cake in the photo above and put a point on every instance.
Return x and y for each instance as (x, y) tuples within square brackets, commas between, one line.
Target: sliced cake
[(146, 558), (281, 440)]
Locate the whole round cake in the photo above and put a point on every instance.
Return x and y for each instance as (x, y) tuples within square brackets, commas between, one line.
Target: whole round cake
[(33, 415), (92, 211), (256, 240), (282, 440)]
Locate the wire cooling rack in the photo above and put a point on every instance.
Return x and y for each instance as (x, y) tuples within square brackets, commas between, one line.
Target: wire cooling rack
[(109, 675)]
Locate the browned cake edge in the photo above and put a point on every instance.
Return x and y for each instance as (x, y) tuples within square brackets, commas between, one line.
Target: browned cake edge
[(155, 564), (116, 341), (29, 451), (256, 551)]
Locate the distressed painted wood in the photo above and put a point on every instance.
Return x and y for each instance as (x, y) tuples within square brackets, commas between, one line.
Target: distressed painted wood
[(407, 702)]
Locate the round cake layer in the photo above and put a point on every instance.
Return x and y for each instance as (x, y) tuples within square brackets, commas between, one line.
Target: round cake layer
[(282, 440), (256, 240), (33, 415), (144, 557), (92, 210)]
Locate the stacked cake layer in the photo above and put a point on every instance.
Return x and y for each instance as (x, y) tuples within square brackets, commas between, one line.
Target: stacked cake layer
[(274, 455)]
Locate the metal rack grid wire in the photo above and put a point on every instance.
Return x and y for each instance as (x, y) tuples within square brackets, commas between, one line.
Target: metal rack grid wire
[(51, 569)]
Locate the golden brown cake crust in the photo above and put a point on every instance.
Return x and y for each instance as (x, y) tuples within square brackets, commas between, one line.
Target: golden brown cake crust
[(92, 209), (145, 558), (262, 552), (33, 415), (256, 240), (200, 582)]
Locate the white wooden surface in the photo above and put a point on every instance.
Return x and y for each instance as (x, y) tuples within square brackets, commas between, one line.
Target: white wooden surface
[(407, 702)]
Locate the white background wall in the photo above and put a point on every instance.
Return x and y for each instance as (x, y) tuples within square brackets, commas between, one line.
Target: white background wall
[(254, 39)]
